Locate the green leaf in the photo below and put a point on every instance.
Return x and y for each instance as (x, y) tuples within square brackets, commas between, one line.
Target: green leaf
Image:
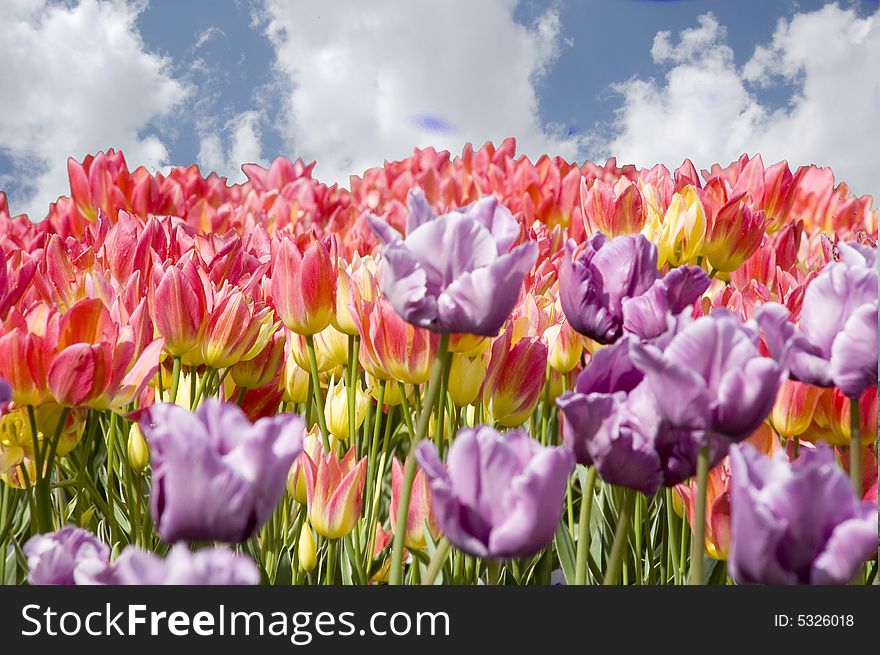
[(565, 551)]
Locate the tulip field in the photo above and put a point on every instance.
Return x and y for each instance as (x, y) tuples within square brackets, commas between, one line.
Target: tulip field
[(463, 370)]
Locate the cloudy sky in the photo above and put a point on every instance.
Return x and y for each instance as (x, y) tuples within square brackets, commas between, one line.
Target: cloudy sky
[(350, 83)]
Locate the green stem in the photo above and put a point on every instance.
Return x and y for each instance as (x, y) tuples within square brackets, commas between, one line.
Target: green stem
[(241, 394), (111, 463), (855, 445), (672, 536), (350, 388), (436, 563), (583, 542), (175, 379), (698, 541), (621, 534), (409, 473), (316, 389)]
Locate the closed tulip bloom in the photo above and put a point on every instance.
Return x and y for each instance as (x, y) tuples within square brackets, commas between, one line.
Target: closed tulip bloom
[(711, 377), (835, 406), (500, 495), (336, 408), (66, 557), (180, 308), (262, 369), (514, 379), (680, 236), (421, 508), (455, 272), (565, 347), (593, 286), (612, 209), (237, 329), (137, 449), (734, 235), (466, 376), (796, 523), (306, 549), (295, 381), (391, 348), (795, 405), (296, 478), (208, 566), (303, 286), (335, 492), (216, 475), (835, 343)]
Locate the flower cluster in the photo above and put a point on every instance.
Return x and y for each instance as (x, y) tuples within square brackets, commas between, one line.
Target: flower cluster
[(442, 373)]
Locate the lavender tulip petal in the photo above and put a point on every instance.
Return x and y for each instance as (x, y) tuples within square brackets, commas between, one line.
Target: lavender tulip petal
[(210, 566), (852, 542), (830, 300), (480, 302), (684, 285), (628, 266), (611, 369), (499, 494), (854, 352), (796, 523), (419, 213), (216, 476), (497, 219), (404, 281), (646, 315), (66, 557), (680, 393), (453, 273), (535, 509), (581, 294), (746, 396), (466, 245)]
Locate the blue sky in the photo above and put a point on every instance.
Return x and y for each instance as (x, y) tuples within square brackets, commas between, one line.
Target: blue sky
[(223, 82)]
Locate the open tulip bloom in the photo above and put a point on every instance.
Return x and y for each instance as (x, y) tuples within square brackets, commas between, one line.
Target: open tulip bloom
[(463, 370)]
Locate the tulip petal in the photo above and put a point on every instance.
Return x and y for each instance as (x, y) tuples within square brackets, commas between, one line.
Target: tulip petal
[(854, 352)]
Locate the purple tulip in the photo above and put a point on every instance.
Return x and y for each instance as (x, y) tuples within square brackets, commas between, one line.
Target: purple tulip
[(796, 523), (453, 273), (501, 496), (612, 422), (655, 312), (836, 340), (5, 392), (615, 285), (711, 377), (217, 476), (70, 556), (210, 566)]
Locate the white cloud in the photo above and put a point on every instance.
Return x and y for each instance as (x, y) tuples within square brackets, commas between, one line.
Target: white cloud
[(239, 142), (76, 79), (708, 109), (369, 81)]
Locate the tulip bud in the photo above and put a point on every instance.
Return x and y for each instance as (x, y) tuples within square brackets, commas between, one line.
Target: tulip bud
[(303, 283), (331, 346), (837, 414), (296, 478), (261, 370), (794, 408), (306, 550), (336, 409), (466, 375), (514, 379), (735, 234), (391, 397), (421, 508), (138, 449), (180, 308), (683, 230), (335, 493), (236, 330), (565, 347), (296, 382)]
